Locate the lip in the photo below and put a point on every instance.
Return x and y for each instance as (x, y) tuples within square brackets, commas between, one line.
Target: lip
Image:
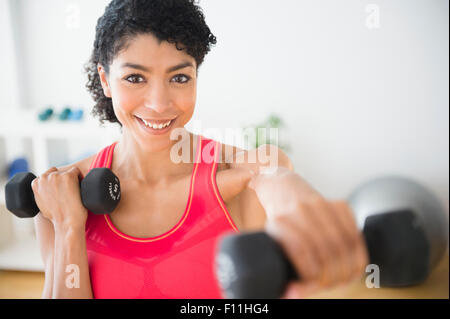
[(153, 131)]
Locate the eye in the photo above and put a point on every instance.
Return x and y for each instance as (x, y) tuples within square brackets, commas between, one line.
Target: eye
[(135, 79), (179, 78)]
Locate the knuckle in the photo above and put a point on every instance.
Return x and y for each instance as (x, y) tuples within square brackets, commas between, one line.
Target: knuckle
[(34, 183), (74, 172), (317, 200), (66, 173), (51, 169), (52, 176), (66, 177), (71, 170), (282, 219)]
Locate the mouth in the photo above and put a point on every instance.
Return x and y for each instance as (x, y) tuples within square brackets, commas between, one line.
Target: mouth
[(155, 127)]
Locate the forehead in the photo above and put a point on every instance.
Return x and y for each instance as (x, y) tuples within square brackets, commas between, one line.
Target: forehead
[(147, 50)]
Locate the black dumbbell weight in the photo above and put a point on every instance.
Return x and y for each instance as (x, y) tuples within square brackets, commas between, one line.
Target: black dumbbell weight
[(99, 190), (404, 225)]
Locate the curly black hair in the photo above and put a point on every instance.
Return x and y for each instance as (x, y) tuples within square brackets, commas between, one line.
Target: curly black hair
[(176, 21)]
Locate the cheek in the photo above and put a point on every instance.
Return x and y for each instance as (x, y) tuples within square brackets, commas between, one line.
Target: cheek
[(186, 108), (124, 101), (187, 103)]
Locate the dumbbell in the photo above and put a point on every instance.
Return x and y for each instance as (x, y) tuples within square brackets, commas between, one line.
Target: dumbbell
[(404, 226), (99, 190)]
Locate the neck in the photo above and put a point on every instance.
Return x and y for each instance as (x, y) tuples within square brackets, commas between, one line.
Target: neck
[(151, 163)]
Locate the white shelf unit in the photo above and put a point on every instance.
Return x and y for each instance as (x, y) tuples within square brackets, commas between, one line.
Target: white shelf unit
[(21, 255), (43, 144)]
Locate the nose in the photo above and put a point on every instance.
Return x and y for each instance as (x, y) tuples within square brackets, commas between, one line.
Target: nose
[(157, 98)]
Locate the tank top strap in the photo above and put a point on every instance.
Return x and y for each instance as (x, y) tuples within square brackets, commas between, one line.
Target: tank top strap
[(205, 180), (104, 157), (205, 175)]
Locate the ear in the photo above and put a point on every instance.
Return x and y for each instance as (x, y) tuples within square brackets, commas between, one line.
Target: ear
[(104, 80)]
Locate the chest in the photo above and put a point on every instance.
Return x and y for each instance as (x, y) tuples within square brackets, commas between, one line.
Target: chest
[(145, 212)]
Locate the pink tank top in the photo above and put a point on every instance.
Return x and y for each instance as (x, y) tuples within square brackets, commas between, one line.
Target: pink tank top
[(177, 264)]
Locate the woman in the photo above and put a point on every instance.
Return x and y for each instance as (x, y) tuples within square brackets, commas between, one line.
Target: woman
[(159, 242)]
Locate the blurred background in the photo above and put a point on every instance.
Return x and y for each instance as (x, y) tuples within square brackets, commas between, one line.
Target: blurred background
[(360, 87)]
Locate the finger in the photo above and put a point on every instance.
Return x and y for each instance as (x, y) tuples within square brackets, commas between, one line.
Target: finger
[(345, 217), (316, 245), (335, 250), (256, 180), (51, 175), (34, 184), (49, 171), (297, 246), (362, 257), (74, 171), (358, 241), (345, 232)]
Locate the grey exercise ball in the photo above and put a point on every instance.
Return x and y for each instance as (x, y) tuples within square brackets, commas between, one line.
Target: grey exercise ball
[(418, 237)]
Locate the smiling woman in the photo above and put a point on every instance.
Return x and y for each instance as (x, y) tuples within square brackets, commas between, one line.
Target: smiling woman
[(159, 242), (162, 238)]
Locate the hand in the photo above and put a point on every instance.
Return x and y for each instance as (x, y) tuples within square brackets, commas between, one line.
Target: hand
[(57, 194), (319, 237)]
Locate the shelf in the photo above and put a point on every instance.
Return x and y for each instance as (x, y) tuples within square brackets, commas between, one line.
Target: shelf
[(49, 143), (25, 124), (21, 256)]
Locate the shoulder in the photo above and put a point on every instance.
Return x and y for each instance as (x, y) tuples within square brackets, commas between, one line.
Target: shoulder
[(234, 174), (254, 159)]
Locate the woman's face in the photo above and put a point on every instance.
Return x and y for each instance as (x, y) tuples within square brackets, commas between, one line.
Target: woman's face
[(154, 82)]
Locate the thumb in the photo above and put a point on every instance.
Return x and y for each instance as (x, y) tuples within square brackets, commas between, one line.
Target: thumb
[(262, 174), (254, 180)]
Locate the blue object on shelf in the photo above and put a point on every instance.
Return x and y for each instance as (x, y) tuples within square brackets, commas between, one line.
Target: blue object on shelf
[(76, 115), (45, 115), (18, 166), (65, 113)]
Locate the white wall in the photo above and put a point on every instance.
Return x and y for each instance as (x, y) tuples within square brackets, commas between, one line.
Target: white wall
[(358, 102), (9, 95), (56, 38)]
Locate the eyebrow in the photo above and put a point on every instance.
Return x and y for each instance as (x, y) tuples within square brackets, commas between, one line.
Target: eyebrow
[(145, 69)]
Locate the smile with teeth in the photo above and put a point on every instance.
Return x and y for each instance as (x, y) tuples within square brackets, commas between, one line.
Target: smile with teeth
[(157, 126)]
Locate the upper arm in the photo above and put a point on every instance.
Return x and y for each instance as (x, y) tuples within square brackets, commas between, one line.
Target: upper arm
[(253, 215), (251, 212)]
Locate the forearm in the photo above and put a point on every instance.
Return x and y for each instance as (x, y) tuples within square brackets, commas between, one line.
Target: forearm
[(71, 269), (47, 292)]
